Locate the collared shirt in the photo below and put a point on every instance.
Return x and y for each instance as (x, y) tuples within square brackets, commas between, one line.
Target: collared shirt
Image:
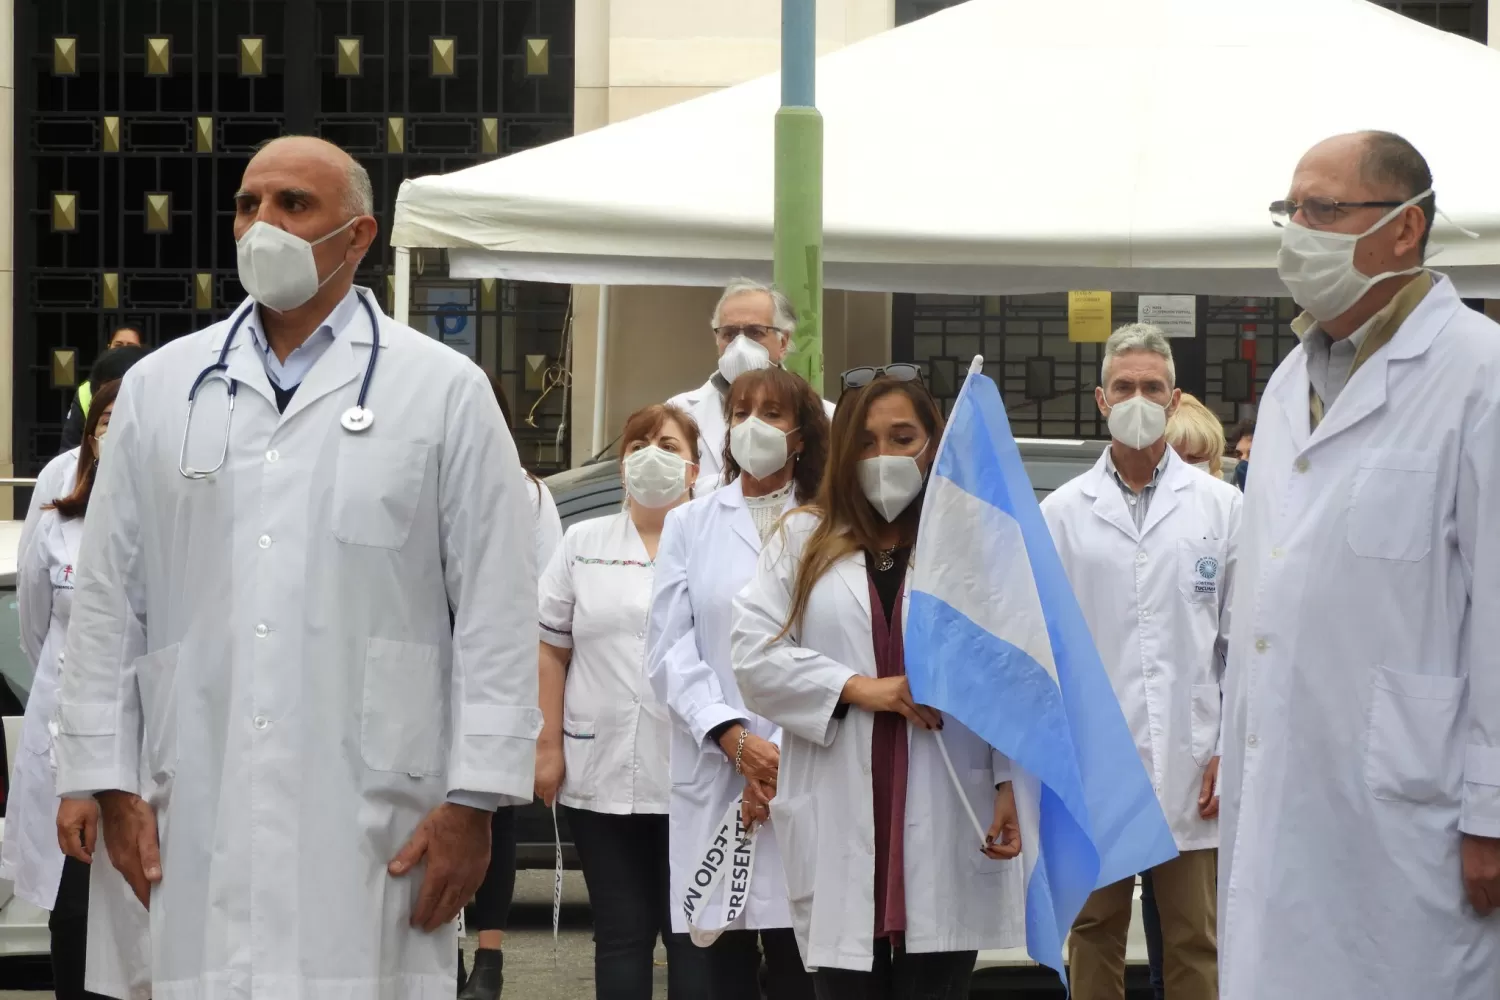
[(289, 374), (1331, 364), (595, 599), (1139, 503)]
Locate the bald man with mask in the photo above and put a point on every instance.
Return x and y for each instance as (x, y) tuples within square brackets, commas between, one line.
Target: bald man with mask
[(1360, 780), (295, 749)]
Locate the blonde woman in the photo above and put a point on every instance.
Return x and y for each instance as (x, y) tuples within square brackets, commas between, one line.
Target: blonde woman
[(1197, 435)]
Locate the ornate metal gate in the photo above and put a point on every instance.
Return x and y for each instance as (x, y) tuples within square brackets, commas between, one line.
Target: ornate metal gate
[(135, 119)]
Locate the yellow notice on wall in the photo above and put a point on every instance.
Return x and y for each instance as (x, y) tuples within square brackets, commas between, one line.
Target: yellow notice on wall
[(1089, 317)]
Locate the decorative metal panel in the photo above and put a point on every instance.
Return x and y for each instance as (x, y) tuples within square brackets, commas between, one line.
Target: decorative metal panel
[(135, 120)]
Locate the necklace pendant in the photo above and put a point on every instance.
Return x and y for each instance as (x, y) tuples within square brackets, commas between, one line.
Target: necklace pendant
[(884, 561)]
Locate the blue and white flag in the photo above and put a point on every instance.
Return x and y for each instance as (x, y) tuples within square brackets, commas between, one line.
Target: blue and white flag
[(995, 638)]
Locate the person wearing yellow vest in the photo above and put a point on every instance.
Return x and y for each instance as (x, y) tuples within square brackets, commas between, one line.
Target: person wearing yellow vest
[(124, 350)]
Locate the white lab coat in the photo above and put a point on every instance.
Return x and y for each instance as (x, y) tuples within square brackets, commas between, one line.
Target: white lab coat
[(708, 553), (1156, 602), (1362, 702), (705, 405), (956, 898), (594, 599), (304, 697), (544, 518), (45, 574)]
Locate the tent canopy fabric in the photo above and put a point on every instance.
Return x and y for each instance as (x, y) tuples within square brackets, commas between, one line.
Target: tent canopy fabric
[(1005, 147)]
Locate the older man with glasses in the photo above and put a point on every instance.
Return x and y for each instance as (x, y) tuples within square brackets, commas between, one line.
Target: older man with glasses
[(1360, 838), (753, 326)]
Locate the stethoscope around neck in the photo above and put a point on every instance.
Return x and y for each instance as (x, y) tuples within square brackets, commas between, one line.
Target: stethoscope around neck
[(355, 419)]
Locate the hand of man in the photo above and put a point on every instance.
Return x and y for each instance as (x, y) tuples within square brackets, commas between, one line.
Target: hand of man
[(130, 836), (78, 828), (890, 694), (1481, 863), (455, 841), (1208, 794), (549, 770), (1003, 841)]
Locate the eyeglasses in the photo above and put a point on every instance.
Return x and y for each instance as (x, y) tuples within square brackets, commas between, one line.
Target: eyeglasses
[(1322, 211), (858, 378), (755, 331)]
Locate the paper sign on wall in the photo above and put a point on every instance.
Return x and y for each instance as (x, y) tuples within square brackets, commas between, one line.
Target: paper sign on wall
[(1177, 315), (1089, 317)]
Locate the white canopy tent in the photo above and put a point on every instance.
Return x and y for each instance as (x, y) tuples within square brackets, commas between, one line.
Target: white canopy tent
[(1004, 147)]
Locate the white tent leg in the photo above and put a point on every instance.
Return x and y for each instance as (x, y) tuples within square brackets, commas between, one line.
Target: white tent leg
[(401, 306), (601, 369)]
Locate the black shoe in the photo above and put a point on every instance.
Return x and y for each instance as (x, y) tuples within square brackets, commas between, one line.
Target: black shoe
[(463, 974), (488, 977)]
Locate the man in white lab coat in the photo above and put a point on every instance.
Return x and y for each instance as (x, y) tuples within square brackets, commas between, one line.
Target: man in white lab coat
[(753, 326), (1361, 770), (324, 743), (1148, 544)]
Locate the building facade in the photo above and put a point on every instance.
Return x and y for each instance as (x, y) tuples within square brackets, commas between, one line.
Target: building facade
[(131, 121)]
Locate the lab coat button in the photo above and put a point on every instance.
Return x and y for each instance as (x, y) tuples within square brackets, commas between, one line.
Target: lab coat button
[(265, 541), (261, 631), (1140, 557), (261, 722), (1261, 645), (272, 455), (1253, 741), (1303, 465), (1278, 552)]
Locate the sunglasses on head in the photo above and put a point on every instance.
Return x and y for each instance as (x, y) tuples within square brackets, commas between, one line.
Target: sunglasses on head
[(858, 378)]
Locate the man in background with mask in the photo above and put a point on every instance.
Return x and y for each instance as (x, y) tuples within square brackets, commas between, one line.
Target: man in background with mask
[(1361, 772), (264, 593), (753, 326), (1148, 543)]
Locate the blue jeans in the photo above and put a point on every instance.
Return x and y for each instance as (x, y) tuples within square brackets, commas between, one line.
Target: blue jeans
[(1151, 921)]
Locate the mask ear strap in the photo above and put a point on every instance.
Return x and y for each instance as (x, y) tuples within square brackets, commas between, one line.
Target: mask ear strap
[(1449, 219)]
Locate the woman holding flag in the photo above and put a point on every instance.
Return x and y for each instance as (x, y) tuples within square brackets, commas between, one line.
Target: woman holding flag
[(891, 891), (724, 758)]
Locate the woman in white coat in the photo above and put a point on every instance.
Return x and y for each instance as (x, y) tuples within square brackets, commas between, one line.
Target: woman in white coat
[(31, 857), (724, 758), (490, 912), (602, 753), (896, 907)]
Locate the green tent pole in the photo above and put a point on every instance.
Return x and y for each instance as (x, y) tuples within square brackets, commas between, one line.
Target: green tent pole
[(799, 187)]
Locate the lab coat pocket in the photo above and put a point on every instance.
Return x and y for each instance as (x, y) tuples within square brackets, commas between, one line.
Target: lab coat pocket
[(1391, 504), (979, 786), (1200, 564), (579, 739), (1412, 751), (377, 488), (795, 823), (156, 679), (405, 708), (1205, 722)]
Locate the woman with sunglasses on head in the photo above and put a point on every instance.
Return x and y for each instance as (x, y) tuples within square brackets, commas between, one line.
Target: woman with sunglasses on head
[(891, 891), (116, 957), (490, 912), (724, 757), (602, 752)]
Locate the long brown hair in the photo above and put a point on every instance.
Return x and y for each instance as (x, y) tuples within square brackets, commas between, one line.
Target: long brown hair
[(648, 420), (848, 521), (808, 415), (76, 504)]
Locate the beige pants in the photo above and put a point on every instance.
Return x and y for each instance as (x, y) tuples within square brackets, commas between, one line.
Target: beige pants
[(1185, 898)]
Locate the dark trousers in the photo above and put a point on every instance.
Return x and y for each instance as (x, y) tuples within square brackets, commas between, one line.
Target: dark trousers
[(900, 975), (491, 909), (625, 865), (734, 963), (69, 924), (1151, 921)]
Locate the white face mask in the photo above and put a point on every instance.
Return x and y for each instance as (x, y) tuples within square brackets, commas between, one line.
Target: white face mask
[(654, 477), (1203, 467), (1318, 269), (741, 356), (1137, 422), (759, 448), (99, 445), (278, 269), (890, 483)]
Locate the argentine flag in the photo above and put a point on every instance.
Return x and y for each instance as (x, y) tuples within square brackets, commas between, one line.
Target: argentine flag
[(995, 639)]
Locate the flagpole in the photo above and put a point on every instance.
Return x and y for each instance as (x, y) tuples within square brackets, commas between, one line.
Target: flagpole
[(799, 188)]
